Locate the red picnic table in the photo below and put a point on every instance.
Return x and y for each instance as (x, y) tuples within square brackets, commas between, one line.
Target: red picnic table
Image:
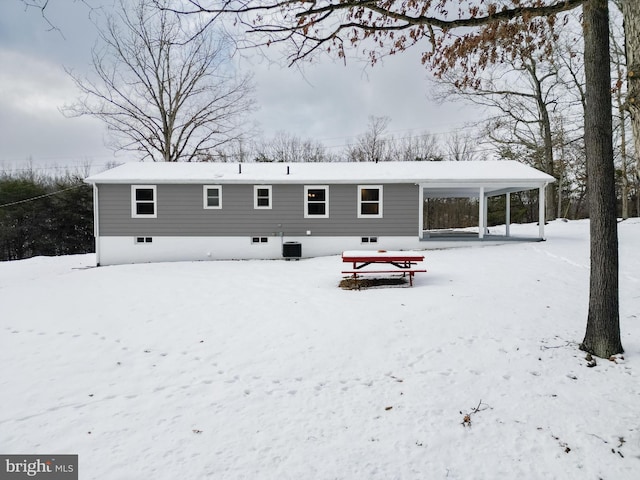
[(402, 261)]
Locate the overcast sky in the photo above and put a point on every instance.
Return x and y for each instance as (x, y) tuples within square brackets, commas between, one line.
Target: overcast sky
[(330, 103)]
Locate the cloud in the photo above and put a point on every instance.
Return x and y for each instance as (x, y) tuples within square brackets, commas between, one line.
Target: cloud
[(32, 86), (33, 91), (331, 102), (324, 101)]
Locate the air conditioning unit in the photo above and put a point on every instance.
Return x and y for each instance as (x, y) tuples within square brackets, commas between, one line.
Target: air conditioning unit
[(292, 250)]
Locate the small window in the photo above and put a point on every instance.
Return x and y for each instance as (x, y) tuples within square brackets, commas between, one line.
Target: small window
[(262, 196), (316, 201), (255, 240), (212, 195), (370, 201), (143, 201), (144, 239), (369, 240)]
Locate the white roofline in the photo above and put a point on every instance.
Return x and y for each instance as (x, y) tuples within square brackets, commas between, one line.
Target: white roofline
[(426, 174)]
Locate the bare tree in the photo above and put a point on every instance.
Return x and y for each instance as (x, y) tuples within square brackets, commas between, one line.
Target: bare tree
[(419, 148), (285, 147), (529, 93), (631, 14), (461, 148), (43, 7), (372, 146), (624, 172), (238, 150), (163, 91)]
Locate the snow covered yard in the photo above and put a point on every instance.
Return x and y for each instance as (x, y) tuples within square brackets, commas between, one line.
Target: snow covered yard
[(268, 370)]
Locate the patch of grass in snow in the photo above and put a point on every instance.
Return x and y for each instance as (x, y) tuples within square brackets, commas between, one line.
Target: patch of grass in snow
[(362, 283)]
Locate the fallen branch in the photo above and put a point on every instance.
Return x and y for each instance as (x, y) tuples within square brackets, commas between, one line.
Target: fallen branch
[(466, 420)]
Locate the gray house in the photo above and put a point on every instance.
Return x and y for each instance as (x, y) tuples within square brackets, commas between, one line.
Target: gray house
[(148, 212)]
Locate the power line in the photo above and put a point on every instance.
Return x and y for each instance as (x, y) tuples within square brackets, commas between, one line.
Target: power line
[(32, 199)]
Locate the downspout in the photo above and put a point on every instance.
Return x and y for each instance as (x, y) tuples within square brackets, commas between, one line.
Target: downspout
[(96, 223), (421, 212)]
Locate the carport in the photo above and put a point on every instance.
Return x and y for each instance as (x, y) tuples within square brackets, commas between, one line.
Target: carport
[(481, 181)]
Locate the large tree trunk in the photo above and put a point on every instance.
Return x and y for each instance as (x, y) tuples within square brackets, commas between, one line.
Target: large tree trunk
[(631, 14), (602, 337)]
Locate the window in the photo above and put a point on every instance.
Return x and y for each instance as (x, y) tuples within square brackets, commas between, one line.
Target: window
[(143, 201), (144, 240), (370, 201), (369, 240), (262, 196), (316, 201), (212, 196), (256, 240)]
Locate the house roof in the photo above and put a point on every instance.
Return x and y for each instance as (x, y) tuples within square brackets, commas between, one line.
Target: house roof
[(449, 176)]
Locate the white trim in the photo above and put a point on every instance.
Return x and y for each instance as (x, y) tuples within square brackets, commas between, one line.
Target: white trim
[(205, 197), (255, 197), (135, 202), (379, 201), (325, 201)]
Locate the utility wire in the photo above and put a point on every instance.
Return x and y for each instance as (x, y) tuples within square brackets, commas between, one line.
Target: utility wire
[(40, 196)]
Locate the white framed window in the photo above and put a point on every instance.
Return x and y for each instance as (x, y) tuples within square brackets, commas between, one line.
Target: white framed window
[(258, 240), (316, 201), (212, 196), (369, 201), (144, 200), (262, 196)]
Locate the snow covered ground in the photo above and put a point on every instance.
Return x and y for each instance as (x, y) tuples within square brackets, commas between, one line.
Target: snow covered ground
[(267, 370)]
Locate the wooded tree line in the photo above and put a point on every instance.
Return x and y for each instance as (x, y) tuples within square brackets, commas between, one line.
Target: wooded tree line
[(475, 144), (44, 215)]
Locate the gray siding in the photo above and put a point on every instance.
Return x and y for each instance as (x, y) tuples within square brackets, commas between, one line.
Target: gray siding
[(180, 212)]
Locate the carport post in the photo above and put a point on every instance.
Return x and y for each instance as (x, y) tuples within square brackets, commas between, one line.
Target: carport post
[(507, 214), (541, 210), (486, 216), (481, 214)]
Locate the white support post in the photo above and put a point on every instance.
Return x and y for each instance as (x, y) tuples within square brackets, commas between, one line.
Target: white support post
[(421, 213), (541, 210), (482, 211), (507, 214), (486, 216)]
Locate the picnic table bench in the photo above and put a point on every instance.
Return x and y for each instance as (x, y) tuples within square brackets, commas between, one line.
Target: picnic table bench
[(402, 261)]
